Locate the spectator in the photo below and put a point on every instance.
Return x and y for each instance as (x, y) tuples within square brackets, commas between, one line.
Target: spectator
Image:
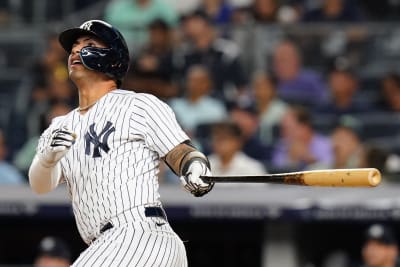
[(5, 16), (25, 154), (49, 78), (391, 93), (8, 173), (343, 86), (227, 157), (265, 11), (132, 18), (219, 55), (197, 107), (269, 107), (334, 11), (51, 63), (152, 70), (380, 248), (52, 252), (50, 81), (300, 146), (246, 117), (296, 84), (347, 145), (217, 11), (375, 157)]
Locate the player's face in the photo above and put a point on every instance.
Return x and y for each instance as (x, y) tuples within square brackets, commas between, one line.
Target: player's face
[(263, 88), (75, 67)]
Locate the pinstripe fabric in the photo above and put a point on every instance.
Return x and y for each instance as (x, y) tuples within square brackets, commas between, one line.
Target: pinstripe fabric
[(140, 243), (112, 169)]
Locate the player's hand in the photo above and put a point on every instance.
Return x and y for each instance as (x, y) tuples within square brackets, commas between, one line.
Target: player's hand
[(54, 146), (192, 182)]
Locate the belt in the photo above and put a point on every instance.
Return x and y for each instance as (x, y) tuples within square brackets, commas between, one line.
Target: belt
[(148, 212)]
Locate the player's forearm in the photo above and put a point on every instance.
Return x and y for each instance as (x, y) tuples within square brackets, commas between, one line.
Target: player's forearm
[(175, 156), (181, 155), (43, 178)]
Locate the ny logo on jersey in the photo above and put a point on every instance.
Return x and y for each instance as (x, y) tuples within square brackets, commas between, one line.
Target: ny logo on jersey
[(99, 141)]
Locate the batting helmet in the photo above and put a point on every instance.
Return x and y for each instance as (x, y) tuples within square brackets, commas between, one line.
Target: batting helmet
[(113, 60)]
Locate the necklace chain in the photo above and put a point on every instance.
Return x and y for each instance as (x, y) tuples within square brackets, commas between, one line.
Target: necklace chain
[(87, 107)]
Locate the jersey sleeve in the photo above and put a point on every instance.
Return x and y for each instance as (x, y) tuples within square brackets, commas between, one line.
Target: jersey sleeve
[(157, 124)]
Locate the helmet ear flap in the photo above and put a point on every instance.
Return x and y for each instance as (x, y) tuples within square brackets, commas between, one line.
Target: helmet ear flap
[(100, 59), (94, 58)]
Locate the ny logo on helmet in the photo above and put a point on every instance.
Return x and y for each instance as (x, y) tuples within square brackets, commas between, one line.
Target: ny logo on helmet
[(87, 25), (99, 141)]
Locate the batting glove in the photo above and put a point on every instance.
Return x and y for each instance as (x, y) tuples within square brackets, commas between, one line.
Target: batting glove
[(53, 146), (191, 180)]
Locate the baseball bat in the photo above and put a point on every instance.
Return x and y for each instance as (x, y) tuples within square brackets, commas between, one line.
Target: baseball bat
[(330, 177)]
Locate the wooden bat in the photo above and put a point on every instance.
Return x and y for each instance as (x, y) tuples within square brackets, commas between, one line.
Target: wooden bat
[(330, 177)]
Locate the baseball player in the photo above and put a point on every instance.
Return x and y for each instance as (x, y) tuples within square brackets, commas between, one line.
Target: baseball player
[(108, 151)]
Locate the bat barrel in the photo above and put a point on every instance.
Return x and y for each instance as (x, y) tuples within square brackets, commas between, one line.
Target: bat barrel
[(343, 177)]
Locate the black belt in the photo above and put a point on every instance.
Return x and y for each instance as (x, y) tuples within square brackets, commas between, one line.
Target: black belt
[(148, 212)]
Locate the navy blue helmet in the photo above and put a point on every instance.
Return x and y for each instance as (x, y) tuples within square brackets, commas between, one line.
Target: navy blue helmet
[(113, 60)]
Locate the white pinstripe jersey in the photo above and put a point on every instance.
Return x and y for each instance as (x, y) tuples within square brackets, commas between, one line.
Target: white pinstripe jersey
[(113, 165)]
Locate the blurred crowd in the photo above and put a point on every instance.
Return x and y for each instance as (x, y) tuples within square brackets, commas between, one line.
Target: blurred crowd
[(278, 114), (379, 248)]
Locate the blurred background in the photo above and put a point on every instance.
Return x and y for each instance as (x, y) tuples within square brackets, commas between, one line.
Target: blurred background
[(260, 86)]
